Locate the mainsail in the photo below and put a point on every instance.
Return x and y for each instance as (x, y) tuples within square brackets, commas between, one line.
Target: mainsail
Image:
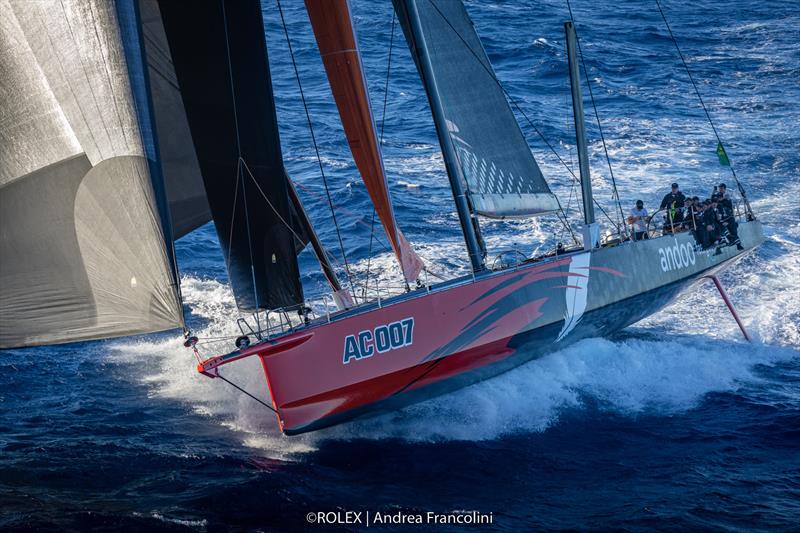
[(219, 55), (338, 47), (490, 152), (85, 240)]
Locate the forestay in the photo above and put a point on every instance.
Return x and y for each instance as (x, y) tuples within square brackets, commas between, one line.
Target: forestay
[(491, 155)]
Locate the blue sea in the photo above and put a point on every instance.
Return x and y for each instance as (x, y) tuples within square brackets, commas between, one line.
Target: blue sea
[(675, 423)]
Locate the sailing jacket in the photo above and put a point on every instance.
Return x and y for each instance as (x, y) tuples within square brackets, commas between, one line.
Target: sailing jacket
[(673, 200)]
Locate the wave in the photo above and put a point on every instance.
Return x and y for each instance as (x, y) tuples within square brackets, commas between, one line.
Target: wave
[(631, 376)]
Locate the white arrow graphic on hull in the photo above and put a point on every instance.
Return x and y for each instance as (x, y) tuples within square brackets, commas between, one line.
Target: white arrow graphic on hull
[(576, 293)]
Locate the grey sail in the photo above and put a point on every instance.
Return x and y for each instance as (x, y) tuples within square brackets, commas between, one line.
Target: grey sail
[(491, 155), (85, 242)]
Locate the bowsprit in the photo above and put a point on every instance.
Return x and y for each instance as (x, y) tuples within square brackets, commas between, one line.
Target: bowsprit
[(382, 339)]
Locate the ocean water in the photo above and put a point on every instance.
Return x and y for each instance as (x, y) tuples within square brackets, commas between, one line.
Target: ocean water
[(674, 423)]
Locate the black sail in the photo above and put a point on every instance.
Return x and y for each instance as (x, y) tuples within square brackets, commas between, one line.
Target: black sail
[(85, 239), (219, 55), (184, 183), (490, 153)]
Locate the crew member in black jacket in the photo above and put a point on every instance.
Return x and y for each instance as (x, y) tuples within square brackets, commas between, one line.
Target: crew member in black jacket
[(726, 215), (673, 202), (709, 224), (674, 198)]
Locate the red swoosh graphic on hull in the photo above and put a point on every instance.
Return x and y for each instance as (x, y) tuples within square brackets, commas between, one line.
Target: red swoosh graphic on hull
[(456, 330)]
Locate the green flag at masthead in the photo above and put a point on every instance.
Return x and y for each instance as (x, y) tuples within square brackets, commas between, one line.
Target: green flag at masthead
[(723, 157)]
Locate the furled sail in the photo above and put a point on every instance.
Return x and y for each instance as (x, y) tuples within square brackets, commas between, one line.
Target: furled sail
[(85, 239), (338, 47), (219, 56), (492, 156)]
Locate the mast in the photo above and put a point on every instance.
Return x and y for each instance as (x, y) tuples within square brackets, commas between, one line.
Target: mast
[(590, 230), (469, 224)]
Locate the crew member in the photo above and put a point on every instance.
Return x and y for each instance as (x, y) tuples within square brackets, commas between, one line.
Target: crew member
[(726, 215), (689, 221), (710, 224), (638, 219), (673, 202)]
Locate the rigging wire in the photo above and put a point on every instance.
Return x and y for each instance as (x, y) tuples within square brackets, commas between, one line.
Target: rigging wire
[(369, 254), (316, 148), (380, 143), (174, 266), (239, 166), (513, 102), (249, 244), (358, 220), (277, 213), (615, 194), (233, 218), (570, 124), (705, 110), (240, 389)]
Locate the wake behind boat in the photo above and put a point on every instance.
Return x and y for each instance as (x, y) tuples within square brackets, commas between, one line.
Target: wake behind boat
[(173, 130)]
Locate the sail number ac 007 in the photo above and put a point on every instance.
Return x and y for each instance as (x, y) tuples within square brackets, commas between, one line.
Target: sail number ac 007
[(381, 339)]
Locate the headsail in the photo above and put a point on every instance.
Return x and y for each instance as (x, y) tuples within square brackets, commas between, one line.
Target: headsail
[(338, 47), (219, 54), (187, 196), (85, 243), (493, 158)]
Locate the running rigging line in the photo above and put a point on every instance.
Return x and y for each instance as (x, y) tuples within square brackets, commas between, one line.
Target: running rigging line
[(240, 389), (705, 110), (571, 189), (239, 167), (359, 220), (615, 194), (274, 210), (380, 143), (316, 148)]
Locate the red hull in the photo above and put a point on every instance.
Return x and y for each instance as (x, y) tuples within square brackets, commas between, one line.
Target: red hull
[(455, 329)]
